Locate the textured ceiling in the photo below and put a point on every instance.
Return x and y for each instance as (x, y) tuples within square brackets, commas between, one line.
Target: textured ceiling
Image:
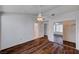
[(35, 9), (28, 9), (62, 10)]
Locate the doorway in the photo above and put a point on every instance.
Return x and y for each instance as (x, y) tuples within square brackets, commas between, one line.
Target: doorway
[(58, 32), (45, 28), (65, 32)]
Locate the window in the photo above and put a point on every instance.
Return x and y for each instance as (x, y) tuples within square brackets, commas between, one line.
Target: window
[(58, 27)]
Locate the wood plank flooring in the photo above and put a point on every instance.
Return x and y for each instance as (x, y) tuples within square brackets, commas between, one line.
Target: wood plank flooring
[(72, 44), (40, 46)]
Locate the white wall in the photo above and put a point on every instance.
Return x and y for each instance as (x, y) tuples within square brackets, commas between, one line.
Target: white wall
[(41, 29), (69, 33), (0, 32), (50, 30), (38, 30), (77, 31), (16, 29)]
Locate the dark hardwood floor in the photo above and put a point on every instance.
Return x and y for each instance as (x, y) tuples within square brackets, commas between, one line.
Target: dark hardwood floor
[(40, 46), (72, 44)]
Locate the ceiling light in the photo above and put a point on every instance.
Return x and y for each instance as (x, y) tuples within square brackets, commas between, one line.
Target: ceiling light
[(40, 17)]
